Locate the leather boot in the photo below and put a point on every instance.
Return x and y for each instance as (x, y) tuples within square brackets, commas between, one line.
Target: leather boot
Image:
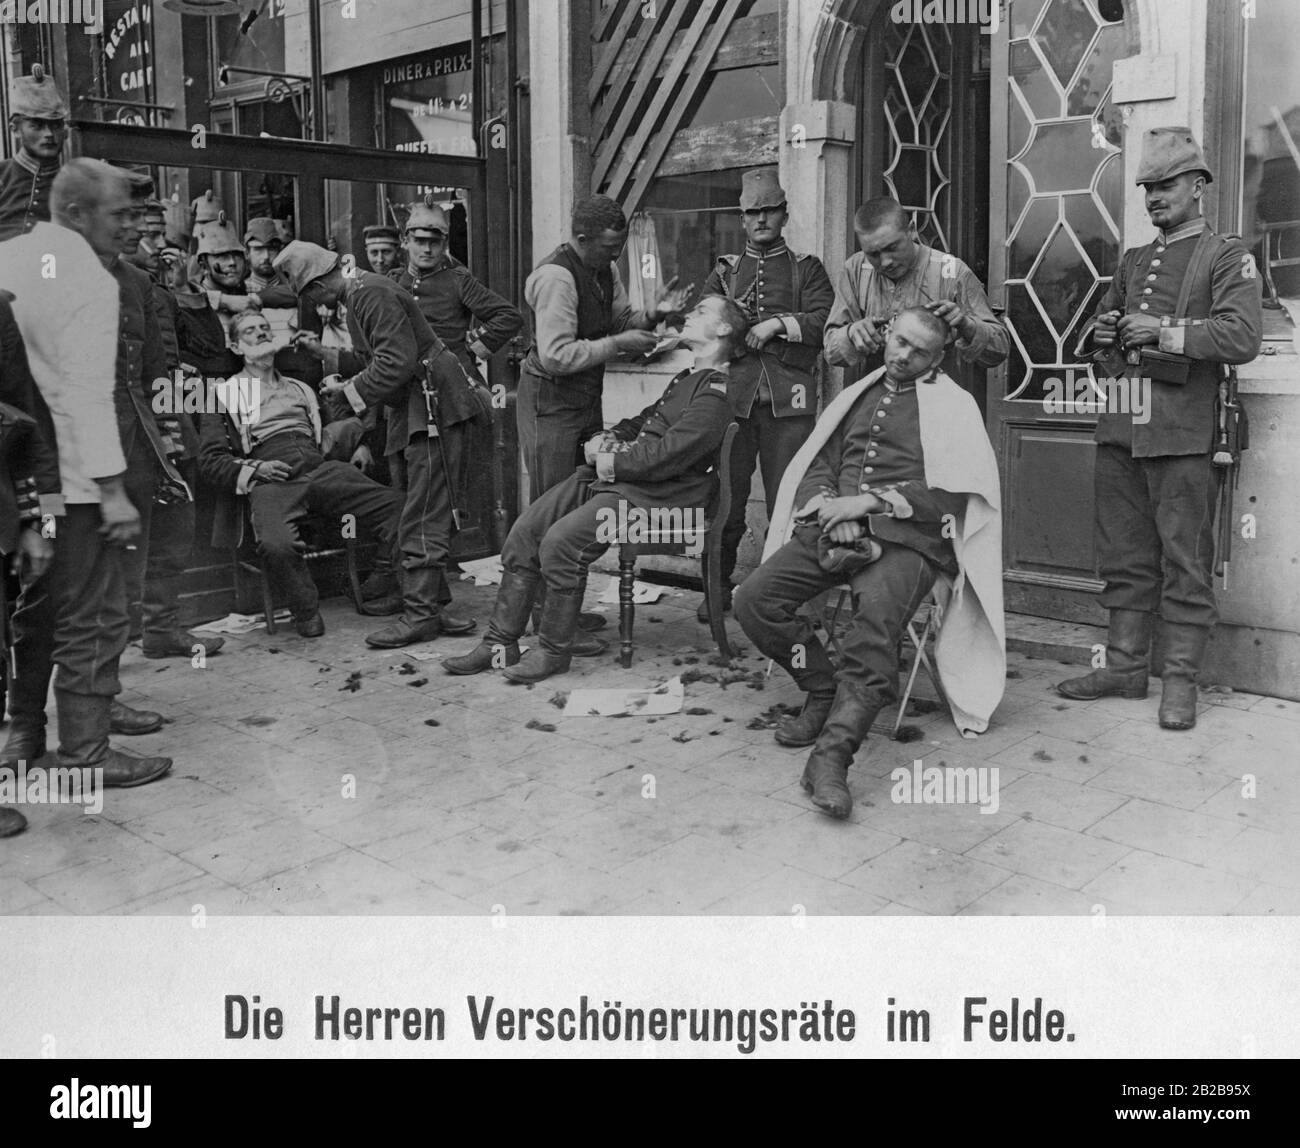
[(804, 728), (552, 653), (381, 582), (509, 617), (588, 620), (26, 740), (825, 777), (11, 821), (180, 644), (124, 720), (1125, 673), (83, 742), (1184, 649)]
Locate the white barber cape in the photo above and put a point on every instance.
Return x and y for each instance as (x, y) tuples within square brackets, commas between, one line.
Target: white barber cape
[(970, 649)]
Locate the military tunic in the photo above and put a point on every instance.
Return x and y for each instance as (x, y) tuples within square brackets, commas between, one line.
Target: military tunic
[(24, 194), (1154, 486), (773, 391)]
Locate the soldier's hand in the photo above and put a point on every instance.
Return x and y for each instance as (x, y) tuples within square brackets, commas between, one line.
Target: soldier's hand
[(672, 299), (34, 554), (636, 342), (1138, 330), (865, 335), (840, 511), (121, 519), (309, 343), (846, 532), (1104, 333), (331, 384), (760, 334), (811, 508), (953, 314), (273, 470), (362, 458)]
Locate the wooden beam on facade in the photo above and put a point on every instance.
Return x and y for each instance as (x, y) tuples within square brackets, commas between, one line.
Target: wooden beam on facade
[(681, 104), (752, 41), (607, 150), (751, 142), (602, 21), (603, 61), (619, 80)]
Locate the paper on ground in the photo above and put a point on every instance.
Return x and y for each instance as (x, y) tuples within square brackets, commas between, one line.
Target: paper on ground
[(483, 571), (664, 699), (434, 655), (642, 593), (239, 623)]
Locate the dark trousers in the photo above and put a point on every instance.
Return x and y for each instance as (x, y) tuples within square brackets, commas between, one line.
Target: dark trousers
[(551, 440), (772, 443), (1155, 534), (327, 490), (885, 596), (426, 525), (74, 618), (154, 570), (556, 536)]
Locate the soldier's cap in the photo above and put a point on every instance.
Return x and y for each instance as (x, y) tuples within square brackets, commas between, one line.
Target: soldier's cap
[(155, 208), (759, 188), (300, 262), (219, 237), (262, 230), (1167, 152), (36, 96), (428, 218), (380, 233), (206, 208)]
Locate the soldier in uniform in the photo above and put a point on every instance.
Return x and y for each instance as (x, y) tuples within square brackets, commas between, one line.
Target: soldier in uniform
[(381, 242), (36, 115), (427, 412), (894, 271), (660, 458), (471, 319), (262, 243), (1193, 298), (774, 388)]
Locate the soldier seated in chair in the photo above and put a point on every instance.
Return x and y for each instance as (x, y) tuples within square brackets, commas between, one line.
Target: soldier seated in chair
[(661, 458)]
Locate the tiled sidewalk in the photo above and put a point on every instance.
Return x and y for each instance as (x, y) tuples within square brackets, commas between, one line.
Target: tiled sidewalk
[(421, 793)]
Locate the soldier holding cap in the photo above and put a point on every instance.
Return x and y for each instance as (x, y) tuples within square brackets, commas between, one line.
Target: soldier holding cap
[(1177, 310), (774, 388), (36, 115), (381, 242)]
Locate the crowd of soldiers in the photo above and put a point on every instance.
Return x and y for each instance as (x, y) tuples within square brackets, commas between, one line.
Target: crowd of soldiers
[(321, 378)]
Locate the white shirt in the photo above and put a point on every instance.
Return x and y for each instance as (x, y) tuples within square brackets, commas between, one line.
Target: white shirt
[(66, 304)]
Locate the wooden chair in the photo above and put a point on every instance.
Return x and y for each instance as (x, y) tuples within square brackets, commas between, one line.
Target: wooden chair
[(318, 547), (927, 618), (675, 541)]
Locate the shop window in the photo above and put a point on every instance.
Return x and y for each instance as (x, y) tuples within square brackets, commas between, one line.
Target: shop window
[(255, 40), (1270, 161), (689, 221)]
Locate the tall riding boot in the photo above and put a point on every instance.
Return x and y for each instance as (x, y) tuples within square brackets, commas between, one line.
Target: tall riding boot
[(817, 680), (585, 645), (83, 742), (26, 740), (825, 776), (552, 655), (500, 645), (1184, 648), (1125, 673)]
